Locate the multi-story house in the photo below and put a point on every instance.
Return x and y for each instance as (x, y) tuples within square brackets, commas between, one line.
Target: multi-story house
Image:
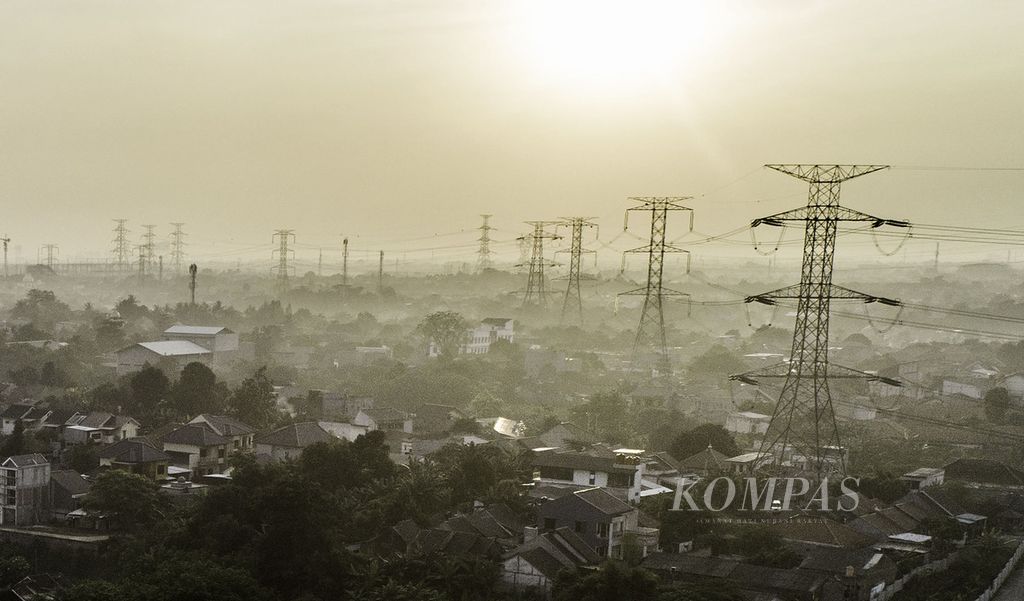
[(31, 417), (24, 490), (478, 339), (137, 456), (603, 521), (620, 471), (239, 433), (198, 448)]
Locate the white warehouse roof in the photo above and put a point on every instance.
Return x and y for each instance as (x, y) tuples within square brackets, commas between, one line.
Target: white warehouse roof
[(174, 348), (196, 330)]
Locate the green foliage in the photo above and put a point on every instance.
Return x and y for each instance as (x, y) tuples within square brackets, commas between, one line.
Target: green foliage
[(717, 363), (253, 401), (696, 440), (611, 582), (965, 578), (446, 329), (148, 388), (132, 501), (83, 458), (13, 569), (997, 402), (197, 391), (15, 444), (884, 487), (42, 308)]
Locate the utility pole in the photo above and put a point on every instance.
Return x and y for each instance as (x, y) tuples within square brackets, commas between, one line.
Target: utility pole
[(483, 260), (651, 329), (149, 245), (177, 247), (6, 240), (320, 264), (536, 293), (283, 252), (192, 271), (576, 251), (803, 433), (344, 262), (50, 250), (380, 273), (142, 262), (160, 273), (121, 249), (936, 257)]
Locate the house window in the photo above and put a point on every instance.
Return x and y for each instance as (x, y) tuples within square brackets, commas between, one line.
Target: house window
[(237, 443), (580, 527), (161, 469), (202, 452), (221, 452), (602, 530), (11, 497), (550, 523), (593, 478)]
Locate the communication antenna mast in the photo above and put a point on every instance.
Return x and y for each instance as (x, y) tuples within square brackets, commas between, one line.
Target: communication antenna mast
[(651, 330), (344, 262), (576, 252), (803, 432), (6, 240), (380, 273), (536, 293), (192, 271)]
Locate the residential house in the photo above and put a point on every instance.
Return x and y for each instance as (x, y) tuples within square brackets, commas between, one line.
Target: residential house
[(923, 477), (30, 416), (174, 353), (24, 490), (534, 564), (97, 427), (67, 489), (746, 463), (288, 442), (602, 520), (238, 432), (622, 473), (984, 472), (198, 448), (138, 456), (383, 418), (343, 430), (433, 418), (705, 463), (337, 405), (747, 422)]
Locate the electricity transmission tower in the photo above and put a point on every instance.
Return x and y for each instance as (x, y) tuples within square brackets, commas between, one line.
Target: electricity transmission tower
[(50, 249), (380, 273), (803, 432), (536, 293), (149, 246), (193, 269), (121, 248), (651, 330), (576, 251), (177, 247), (484, 252), (283, 252)]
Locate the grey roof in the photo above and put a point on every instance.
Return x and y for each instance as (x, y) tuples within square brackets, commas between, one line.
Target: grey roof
[(133, 450), (199, 435), (709, 459), (579, 461), (25, 460), (544, 562), (603, 501), (16, 411), (71, 481), (196, 330), (225, 425), (385, 414), (298, 436), (174, 348)]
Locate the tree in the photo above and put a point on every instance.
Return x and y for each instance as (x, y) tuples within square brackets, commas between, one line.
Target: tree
[(148, 388), (696, 440), (83, 458), (611, 582), (253, 400), (12, 570), (446, 330), (997, 402), (131, 499), (196, 391)]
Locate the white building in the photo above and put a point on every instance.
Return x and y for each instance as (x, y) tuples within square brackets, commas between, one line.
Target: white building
[(479, 339), (220, 341), (747, 422), (179, 353)]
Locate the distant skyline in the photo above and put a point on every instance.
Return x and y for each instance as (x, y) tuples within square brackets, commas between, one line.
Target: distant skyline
[(391, 122)]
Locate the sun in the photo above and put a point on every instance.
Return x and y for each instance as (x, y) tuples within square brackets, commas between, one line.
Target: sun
[(604, 44)]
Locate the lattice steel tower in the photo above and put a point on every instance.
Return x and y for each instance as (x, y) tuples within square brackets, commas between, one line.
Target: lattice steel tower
[(803, 433), (283, 253), (483, 260), (177, 247), (651, 330), (536, 293), (50, 250), (122, 250), (149, 246), (576, 252)]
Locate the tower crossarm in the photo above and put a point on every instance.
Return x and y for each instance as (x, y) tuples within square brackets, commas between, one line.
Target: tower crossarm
[(814, 211), (643, 292), (834, 292), (787, 369), (826, 173)]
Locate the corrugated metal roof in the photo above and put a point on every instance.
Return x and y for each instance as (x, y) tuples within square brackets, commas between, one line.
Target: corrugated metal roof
[(172, 348), (195, 330)]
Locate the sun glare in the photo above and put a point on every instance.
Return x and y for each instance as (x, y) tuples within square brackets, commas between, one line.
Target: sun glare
[(610, 43)]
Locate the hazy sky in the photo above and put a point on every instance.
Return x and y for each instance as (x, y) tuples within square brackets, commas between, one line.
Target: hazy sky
[(395, 120)]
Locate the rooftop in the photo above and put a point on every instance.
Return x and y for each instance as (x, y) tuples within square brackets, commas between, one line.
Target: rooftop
[(173, 348), (298, 436), (197, 330)]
